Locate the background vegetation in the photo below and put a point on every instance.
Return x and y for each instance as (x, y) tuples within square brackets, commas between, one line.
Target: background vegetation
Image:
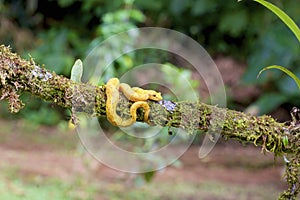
[(56, 33)]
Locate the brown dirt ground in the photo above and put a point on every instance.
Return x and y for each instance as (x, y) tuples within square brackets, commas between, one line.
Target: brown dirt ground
[(229, 162)]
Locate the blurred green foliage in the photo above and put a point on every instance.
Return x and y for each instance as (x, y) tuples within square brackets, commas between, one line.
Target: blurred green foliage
[(46, 189), (56, 33)]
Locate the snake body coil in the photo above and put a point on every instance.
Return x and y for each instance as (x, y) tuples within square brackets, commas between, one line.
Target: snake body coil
[(138, 95)]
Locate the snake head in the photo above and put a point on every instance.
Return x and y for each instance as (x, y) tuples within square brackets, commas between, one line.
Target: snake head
[(153, 95)]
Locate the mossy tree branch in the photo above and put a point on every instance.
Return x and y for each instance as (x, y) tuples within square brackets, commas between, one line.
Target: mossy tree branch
[(18, 75)]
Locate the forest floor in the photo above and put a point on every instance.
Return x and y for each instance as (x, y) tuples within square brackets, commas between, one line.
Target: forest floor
[(47, 163)]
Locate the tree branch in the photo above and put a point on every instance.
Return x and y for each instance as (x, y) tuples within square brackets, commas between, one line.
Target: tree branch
[(18, 75)]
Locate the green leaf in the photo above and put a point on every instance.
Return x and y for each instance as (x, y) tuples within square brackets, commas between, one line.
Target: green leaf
[(271, 47), (76, 72), (285, 70), (283, 16), (285, 140)]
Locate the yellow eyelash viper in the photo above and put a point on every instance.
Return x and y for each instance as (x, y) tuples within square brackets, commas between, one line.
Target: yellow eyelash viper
[(135, 94)]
